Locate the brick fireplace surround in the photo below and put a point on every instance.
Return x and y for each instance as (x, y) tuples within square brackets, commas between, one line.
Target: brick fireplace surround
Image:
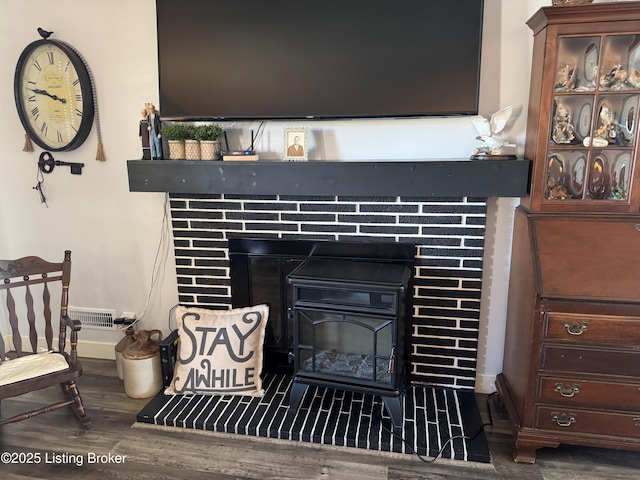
[(447, 229)]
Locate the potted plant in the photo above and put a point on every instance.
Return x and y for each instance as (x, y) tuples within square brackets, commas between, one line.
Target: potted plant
[(176, 134), (191, 143), (208, 135)]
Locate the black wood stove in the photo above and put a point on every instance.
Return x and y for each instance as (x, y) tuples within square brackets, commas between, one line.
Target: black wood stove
[(349, 328)]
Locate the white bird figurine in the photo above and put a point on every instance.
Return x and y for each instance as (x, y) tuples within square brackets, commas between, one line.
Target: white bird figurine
[(488, 128)]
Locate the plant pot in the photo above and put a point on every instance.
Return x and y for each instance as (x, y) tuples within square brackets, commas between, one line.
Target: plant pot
[(192, 149), (209, 149), (176, 150)]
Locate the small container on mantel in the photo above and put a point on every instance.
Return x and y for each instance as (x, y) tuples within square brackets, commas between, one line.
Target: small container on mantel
[(141, 365)]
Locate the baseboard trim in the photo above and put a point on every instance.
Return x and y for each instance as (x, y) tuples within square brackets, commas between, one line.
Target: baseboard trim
[(485, 383), (103, 351), (86, 349)]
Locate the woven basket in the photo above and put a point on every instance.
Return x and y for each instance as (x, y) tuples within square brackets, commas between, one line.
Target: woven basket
[(570, 2)]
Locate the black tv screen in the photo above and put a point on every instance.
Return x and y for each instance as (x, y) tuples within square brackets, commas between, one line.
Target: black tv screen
[(294, 59)]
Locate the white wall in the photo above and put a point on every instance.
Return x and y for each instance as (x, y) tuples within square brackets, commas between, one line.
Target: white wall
[(515, 44), (114, 234)]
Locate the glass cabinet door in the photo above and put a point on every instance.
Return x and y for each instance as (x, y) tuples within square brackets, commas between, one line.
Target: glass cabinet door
[(577, 68), (592, 132)]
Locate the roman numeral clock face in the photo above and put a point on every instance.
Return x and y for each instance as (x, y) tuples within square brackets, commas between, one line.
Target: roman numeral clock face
[(54, 95)]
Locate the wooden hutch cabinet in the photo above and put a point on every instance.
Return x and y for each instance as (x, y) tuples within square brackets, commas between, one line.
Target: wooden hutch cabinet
[(572, 355)]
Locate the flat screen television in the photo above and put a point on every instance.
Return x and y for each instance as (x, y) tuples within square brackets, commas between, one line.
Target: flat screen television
[(318, 59)]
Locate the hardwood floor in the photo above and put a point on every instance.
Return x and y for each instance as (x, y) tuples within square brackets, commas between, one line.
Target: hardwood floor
[(67, 451)]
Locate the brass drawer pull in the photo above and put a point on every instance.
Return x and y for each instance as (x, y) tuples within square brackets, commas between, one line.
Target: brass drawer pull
[(575, 328), (563, 419), (566, 390)]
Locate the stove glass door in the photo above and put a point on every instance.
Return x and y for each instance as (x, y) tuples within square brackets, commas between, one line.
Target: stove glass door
[(360, 347)]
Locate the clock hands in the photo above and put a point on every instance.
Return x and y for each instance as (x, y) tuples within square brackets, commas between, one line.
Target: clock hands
[(44, 92)]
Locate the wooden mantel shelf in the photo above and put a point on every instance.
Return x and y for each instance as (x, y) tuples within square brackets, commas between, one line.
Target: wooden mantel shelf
[(429, 178)]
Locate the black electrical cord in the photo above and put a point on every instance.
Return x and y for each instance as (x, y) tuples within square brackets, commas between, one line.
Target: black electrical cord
[(378, 417), (466, 437), (171, 328), (255, 139)]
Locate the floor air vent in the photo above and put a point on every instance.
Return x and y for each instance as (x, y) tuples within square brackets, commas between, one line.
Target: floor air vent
[(94, 318)]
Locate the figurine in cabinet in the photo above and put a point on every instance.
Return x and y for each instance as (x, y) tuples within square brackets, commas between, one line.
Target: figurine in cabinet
[(634, 79), (556, 179), (608, 129), (615, 79), (563, 128), (597, 180), (566, 77), (619, 192)]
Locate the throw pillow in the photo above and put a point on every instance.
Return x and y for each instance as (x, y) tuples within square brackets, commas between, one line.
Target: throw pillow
[(220, 352)]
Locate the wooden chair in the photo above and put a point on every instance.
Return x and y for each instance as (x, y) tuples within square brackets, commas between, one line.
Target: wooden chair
[(30, 371)]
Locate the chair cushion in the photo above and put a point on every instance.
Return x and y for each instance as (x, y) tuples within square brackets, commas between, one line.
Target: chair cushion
[(31, 366)]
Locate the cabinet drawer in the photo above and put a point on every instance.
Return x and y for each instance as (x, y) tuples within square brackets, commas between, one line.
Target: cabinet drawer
[(574, 391), (592, 328), (590, 360), (586, 421)]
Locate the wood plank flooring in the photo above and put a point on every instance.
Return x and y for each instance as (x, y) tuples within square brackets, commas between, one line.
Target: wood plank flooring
[(156, 454)]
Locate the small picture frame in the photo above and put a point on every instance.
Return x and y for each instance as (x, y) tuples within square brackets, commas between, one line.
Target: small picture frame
[(295, 144)]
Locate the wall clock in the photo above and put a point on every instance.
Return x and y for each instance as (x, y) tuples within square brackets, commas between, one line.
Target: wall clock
[(54, 94)]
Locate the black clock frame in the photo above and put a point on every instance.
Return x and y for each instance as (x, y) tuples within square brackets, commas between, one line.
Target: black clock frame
[(86, 87)]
